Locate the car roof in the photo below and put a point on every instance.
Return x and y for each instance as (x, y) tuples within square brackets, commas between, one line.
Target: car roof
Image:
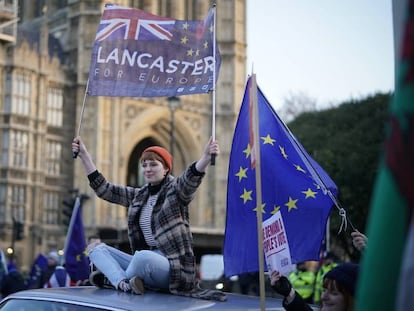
[(109, 299)]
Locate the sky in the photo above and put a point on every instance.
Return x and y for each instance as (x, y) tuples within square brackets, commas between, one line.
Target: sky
[(329, 50)]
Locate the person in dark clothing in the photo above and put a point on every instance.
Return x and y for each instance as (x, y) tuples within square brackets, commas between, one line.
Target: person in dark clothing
[(292, 301), (52, 262), (12, 282), (338, 289)]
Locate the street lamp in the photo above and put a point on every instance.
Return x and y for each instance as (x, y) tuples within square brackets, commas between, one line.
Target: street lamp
[(174, 104), (10, 251)]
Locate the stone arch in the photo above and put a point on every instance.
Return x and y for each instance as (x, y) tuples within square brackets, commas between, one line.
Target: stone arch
[(151, 127)]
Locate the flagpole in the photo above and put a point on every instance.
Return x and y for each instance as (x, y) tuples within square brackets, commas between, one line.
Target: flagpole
[(256, 151), (75, 154), (213, 111), (327, 236)]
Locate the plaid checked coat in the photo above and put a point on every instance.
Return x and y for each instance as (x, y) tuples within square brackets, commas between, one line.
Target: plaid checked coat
[(170, 225)]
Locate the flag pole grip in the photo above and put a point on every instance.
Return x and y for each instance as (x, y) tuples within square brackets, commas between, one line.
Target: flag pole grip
[(213, 159)]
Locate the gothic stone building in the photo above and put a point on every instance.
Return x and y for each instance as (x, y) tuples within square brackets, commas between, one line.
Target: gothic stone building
[(45, 51)]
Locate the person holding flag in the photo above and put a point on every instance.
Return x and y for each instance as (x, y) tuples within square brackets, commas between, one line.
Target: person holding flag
[(359, 240), (158, 225), (339, 286)]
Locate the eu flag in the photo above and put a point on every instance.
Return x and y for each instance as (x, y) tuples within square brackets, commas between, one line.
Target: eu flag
[(138, 54), (38, 266), (76, 261), (292, 182)]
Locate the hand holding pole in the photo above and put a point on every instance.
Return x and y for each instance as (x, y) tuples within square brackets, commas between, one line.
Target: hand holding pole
[(75, 154)]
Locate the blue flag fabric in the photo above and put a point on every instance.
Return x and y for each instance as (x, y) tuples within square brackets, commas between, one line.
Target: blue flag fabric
[(292, 182), (11, 266), (38, 266), (138, 54), (3, 265), (76, 260)]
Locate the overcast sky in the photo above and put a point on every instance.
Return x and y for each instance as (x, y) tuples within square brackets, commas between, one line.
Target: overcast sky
[(330, 50)]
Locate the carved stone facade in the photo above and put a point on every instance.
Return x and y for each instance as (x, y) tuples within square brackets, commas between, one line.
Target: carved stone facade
[(48, 68)]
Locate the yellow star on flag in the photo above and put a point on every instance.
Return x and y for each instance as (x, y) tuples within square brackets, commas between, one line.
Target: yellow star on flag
[(261, 208), (283, 152), (275, 209), (309, 193), (246, 196), (268, 140), (297, 166), (291, 204), (247, 151), (242, 173)]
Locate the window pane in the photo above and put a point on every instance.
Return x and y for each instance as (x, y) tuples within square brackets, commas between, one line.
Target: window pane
[(21, 91), (54, 107), (53, 157), (19, 148)]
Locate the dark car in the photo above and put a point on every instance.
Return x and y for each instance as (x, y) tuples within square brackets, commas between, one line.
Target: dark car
[(85, 298)]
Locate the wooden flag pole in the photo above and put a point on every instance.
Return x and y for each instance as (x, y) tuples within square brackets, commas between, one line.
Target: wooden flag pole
[(256, 150), (213, 110), (75, 154)]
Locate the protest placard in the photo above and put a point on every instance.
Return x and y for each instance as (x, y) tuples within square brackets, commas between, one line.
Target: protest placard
[(275, 245)]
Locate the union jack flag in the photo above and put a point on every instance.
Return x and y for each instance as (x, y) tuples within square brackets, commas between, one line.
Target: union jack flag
[(119, 22)]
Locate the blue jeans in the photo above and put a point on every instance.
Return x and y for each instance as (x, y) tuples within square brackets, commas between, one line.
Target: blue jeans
[(152, 267)]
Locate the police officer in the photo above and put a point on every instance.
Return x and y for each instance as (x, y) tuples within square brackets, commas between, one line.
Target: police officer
[(302, 281)]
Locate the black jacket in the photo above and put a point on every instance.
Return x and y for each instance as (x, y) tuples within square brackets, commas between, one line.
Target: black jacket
[(12, 282), (297, 304)]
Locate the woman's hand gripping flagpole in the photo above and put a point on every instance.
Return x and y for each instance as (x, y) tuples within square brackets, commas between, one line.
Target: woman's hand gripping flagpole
[(75, 154)]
